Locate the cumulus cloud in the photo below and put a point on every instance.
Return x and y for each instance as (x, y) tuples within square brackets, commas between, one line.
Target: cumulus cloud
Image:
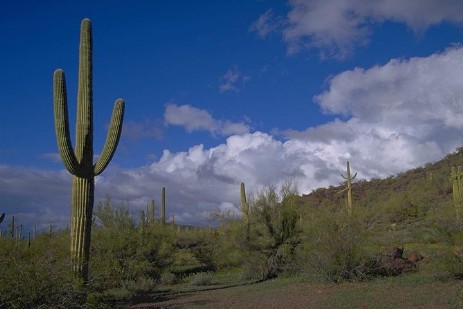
[(418, 90), (195, 119), (232, 80), (201, 180), (371, 133), (406, 112), (335, 27)]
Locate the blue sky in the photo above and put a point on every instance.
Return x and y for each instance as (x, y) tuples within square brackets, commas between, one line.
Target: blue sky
[(219, 92)]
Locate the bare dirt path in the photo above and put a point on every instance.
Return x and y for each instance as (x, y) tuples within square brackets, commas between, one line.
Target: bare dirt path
[(297, 296), (287, 294)]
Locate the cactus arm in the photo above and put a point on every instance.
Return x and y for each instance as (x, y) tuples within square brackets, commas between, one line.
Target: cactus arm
[(112, 138), (63, 137)]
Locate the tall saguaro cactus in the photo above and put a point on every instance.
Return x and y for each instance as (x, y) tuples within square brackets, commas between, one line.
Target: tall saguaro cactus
[(348, 188), (79, 162)]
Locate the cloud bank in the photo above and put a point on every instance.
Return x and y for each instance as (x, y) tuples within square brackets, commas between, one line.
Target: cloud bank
[(392, 117)]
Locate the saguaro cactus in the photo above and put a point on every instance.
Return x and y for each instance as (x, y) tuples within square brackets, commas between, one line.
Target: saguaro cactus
[(2, 217), (152, 213), (244, 208), (80, 162), (348, 188), (163, 205), (12, 227), (457, 189)]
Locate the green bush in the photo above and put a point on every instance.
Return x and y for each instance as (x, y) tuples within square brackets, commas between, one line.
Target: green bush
[(38, 276), (122, 252), (274, 233), (201, 279), (336, 247)]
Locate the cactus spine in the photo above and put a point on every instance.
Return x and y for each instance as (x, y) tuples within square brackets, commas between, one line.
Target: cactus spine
[(348, 188), (457, 190), (163, 205), (80, 162)]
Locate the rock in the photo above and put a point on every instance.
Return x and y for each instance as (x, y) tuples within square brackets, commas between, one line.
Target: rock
[(394, 253), (414, 257)]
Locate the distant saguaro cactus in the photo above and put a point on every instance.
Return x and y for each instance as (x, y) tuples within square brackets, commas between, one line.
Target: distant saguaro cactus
[(244, 208), (80, 162), (152, 213), (457, 190), (12, 227), (348, 188), (163, 205)]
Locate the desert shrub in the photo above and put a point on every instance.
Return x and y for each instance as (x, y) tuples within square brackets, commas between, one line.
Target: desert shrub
[(227, 247), (451, 258), (141, 284), (123, 253), (274, 233), (336, 247), (198, 246), (201, 279), (167, 278), (39, 275)]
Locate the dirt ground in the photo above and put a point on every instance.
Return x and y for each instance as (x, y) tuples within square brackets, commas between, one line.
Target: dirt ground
[(306, 295), (298, 296)]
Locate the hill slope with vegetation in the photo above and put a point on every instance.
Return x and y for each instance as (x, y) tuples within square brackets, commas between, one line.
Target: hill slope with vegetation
[(280, 234)]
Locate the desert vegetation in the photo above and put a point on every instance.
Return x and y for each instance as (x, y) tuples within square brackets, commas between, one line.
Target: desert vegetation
[(403, 227)]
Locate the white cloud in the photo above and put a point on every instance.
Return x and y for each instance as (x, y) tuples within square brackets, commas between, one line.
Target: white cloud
[(402, 92), (265, 24), (335, 27), (373, 136), (195, 119), (401, 114), (232, 80)]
